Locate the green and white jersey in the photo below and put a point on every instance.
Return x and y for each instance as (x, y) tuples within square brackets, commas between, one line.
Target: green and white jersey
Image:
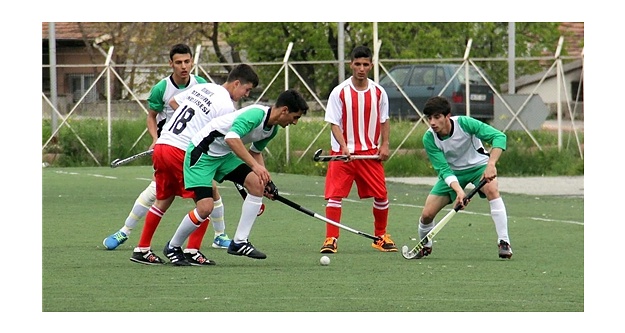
[(248, 123), (163, 91), (196, 108), (462, 149)]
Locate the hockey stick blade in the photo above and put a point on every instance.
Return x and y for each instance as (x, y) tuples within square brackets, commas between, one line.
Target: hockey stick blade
[(412, 253)]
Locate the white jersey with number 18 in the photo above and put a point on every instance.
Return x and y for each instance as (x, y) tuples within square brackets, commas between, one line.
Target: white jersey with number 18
[(196, 107)]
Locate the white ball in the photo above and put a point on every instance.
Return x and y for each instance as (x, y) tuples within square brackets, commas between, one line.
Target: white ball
[(325, 261)]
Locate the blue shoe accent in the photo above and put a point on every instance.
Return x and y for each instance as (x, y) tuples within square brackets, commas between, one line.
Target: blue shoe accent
[(221, 242), (113, 241)]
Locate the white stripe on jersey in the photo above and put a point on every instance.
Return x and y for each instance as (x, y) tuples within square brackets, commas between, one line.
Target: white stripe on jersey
[(358, 114)]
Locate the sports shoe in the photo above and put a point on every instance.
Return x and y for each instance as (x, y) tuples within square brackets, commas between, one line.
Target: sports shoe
[(147, 258), (221, 242), (505, 251), (245, 249), (385, 244), (424, 252), (198, 259), (113, 241), (329, 246), (175, 255)]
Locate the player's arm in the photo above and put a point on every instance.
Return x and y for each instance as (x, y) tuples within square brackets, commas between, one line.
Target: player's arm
[(384, 150), (491, 168), (173, 103), (245, 123), (152, 126), (178, 99), (385, 128), (238, 147), (338, 135), (334, 115), (155, 105)]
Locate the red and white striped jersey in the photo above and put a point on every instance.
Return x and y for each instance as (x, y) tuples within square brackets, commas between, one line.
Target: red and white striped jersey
[(358, 113)]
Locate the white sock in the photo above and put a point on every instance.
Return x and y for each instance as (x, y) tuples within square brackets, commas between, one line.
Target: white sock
[(424, 229), (250, 208), (144, 201), (500, 217), (185, 229), (217, 218)]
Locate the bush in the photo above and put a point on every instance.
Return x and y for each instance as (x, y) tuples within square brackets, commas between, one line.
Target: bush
[(522, 158)]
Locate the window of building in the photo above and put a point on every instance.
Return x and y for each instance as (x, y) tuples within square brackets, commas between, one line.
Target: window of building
[(576, 88), (79, 83)]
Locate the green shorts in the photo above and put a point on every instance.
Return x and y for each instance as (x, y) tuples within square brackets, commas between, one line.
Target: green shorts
[(472, 175), (207, 168)]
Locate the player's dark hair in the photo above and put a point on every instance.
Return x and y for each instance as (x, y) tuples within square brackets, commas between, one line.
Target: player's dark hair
[(293, 100), (244, 73), (436, 105), (362, 52), (179, 49)]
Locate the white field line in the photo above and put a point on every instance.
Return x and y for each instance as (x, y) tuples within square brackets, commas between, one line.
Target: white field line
[(542, 219)]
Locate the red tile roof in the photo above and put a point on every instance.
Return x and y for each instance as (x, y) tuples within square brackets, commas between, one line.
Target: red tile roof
[(573, 33), (71, 30)]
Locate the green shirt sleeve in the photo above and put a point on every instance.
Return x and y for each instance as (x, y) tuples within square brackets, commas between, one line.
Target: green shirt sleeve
[(483, 131), (155, 100), (249, 121)]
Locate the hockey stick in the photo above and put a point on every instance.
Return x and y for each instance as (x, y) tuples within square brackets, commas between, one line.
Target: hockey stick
[(328, 158), (322, 218), (411, 254), (243, 194), (117, 162)]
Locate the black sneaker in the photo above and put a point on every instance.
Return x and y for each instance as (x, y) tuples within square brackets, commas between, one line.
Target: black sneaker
[(198, 259), (175, 255), (146, 258), (505, 251), (245, 249)]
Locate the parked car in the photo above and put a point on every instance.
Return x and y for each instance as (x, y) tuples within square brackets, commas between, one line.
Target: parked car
[(422, 81)]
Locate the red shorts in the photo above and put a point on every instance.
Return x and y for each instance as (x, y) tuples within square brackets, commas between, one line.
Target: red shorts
[(368, 175), (168, 161)]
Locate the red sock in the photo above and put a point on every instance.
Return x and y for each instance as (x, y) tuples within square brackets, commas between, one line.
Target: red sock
[(152, 219), (334, 214), (380, 216), (196, 237)]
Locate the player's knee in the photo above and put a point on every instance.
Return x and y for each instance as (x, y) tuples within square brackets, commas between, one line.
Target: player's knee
[(426, 220), (428, 215), (253, 185), (204, 207), (148, 196)]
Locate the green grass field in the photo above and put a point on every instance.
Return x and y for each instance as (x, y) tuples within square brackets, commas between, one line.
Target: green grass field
[(81, 206)]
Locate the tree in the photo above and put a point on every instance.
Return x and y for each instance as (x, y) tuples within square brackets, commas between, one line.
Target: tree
[(317, 44)]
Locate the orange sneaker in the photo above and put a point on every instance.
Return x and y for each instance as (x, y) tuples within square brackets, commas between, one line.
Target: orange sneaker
[(329, 246), (385, 244)]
